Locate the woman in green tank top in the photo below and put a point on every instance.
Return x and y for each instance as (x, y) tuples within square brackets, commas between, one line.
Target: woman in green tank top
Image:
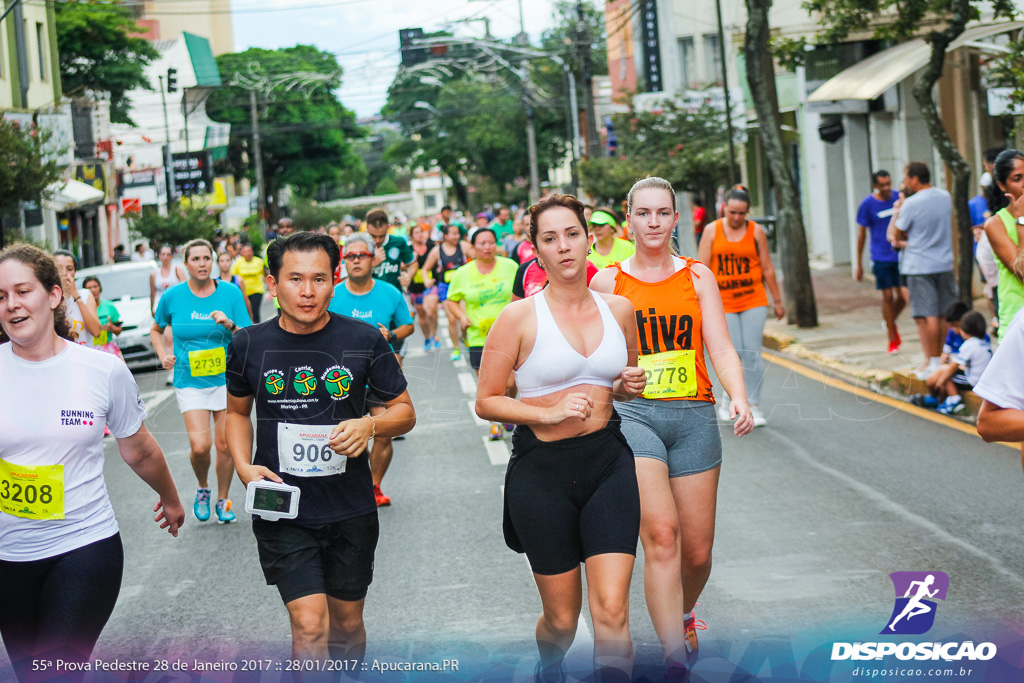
[(1003, 231)]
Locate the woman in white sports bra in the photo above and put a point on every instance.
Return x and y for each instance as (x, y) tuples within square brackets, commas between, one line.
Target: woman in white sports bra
[(160, 280), (571, 494)]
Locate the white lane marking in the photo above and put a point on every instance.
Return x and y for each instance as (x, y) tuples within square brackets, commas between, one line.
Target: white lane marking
[(468, 383), (417, 352), (886, 503), (460, 363), (580, 655), (448, 342), (155, 399), (497, 451), (476, 418)]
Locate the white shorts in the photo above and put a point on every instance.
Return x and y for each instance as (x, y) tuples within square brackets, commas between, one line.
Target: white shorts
[(210, 398)]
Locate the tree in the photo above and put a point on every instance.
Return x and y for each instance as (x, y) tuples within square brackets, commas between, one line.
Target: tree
[(305, 131), (686, 146), (101, 51), (903, 20), (796, 283), (181, 224), (26, 168)]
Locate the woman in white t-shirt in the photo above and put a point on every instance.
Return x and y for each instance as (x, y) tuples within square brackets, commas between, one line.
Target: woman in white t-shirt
[(61, 557), (1002, 387), (81, 309)]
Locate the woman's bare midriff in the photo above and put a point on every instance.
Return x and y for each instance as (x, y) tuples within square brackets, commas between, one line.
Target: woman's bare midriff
[(573, 426)]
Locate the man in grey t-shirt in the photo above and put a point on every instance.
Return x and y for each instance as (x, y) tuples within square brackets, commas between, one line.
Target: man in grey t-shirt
[(924, 231)]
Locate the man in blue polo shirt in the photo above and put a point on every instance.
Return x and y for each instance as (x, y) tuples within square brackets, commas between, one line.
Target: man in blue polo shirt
[(874, 215), (382, 305)]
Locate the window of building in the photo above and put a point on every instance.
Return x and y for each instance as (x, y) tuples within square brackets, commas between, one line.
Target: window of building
[(41, 46), (431, 200), (712, 59), (687, 63)]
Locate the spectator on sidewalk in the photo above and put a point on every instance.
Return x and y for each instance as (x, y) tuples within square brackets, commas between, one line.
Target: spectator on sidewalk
[(923, 222), (964, 366), (874, 215), (1006, 201)]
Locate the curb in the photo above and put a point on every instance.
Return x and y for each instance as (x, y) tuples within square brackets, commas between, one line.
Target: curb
[(898, 384)]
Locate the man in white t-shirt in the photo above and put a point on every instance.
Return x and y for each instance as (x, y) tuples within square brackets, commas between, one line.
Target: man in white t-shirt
[(1002, 386)]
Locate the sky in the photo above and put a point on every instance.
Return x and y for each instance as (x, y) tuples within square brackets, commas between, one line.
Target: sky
[(364, 33)]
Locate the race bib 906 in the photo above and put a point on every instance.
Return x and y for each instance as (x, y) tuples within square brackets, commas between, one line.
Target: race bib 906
[(303, 451)]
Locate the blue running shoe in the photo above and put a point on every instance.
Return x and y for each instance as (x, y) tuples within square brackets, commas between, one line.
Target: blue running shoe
[(428, 344), (202, 506), (437, 342), (224, 513)]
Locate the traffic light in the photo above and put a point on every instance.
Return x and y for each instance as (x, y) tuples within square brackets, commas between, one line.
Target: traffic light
[(172, 80), (411, 56)]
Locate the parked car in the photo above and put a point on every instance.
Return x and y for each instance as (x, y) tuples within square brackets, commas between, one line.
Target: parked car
[(127, 286)]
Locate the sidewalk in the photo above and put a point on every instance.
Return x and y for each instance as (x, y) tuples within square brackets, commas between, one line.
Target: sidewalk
[(850, 339)]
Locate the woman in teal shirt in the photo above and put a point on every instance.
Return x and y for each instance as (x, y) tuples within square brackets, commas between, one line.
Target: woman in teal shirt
[(203, 313)]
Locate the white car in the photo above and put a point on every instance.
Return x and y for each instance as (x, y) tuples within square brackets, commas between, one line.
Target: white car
[(126, 285)]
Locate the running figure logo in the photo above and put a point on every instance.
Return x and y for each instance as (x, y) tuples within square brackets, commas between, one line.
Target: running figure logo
[(304, 383), (338, 381), (275, 383), (916, 592)]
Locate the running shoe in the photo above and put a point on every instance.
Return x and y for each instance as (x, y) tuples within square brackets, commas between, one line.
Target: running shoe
[(509, 427), (540, 677), (723, 411), (456, 355), (382, 500), (759, 419), (924, 401), (690, 628), (224, 513), (952, 406), (428, 344), (437, 342), (894, 346), (202, 506), (497, 434)]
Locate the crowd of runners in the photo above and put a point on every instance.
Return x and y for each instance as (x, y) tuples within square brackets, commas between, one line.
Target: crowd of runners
[(590, 337)]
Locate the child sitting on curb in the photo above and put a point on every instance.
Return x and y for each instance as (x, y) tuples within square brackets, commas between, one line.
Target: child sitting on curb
[(952, 379)]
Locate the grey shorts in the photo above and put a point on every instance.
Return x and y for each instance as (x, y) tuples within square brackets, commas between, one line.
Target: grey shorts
[(682, 434), (931, 294)]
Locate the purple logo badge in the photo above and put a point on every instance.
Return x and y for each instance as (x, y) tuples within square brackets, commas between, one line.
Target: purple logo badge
[(916, 593)]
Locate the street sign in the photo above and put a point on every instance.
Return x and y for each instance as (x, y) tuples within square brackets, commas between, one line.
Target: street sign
[(131, 205)]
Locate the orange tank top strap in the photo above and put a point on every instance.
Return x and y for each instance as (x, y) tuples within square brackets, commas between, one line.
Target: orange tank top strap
[(737, 268), (668, 322)]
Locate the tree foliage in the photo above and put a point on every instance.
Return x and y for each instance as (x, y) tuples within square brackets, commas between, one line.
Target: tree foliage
[(939, 23), (26, 169), (561, 39), (99, 50), (686, 146), (305, 132), (181, 224)]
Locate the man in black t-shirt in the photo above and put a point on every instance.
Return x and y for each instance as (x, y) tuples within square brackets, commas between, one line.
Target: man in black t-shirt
[(307, 372)]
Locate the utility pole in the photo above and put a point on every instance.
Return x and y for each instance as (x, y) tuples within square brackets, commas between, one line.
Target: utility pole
[(258, 161), (21, 49), (531, 133), (168, 162), (734, 176), (593, 141)]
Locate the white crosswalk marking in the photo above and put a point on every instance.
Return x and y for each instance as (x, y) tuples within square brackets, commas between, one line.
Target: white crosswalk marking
[(497, 451), (476, 418), (468, 383), (156, 398)]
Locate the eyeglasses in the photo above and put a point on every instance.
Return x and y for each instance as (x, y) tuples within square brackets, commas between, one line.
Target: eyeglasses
[(358, 256)]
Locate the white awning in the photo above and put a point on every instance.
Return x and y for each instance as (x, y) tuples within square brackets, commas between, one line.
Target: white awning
[(869, 78), (68, 195)]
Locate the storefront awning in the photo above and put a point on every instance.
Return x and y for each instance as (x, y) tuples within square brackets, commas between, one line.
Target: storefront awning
[(869, 78), (68, 195)]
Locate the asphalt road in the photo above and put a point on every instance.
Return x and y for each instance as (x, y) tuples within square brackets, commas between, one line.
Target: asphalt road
[(815, 511)]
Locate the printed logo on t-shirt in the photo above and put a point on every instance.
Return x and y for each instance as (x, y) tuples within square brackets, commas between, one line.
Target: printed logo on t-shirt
[(338, 380), (660, 333), (393, 253), (196, 315), (304, 381), (77, 418), (274, 381)]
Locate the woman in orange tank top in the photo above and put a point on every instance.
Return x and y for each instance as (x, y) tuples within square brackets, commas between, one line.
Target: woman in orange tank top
[(671, 428), (736, 251)]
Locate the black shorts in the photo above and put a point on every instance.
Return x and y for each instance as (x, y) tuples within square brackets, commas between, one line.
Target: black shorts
[(476, 354), (887, 275), (335, 559), (568, 500)]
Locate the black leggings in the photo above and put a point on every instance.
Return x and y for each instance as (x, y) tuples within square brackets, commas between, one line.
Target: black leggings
[(255, 300), (57, 607)]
